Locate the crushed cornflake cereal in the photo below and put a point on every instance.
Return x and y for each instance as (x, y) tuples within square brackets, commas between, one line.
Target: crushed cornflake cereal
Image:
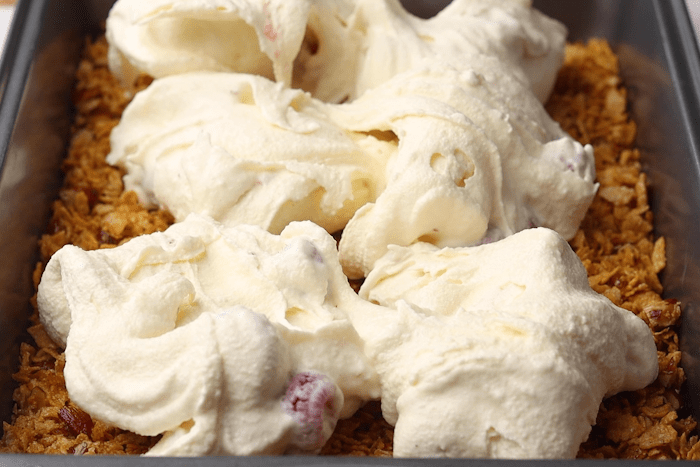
[(615, 244), (92, 212), (364, 434), (622, 258)]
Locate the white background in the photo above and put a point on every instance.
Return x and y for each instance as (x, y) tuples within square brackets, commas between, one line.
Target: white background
[(694, 9), (5, 19)]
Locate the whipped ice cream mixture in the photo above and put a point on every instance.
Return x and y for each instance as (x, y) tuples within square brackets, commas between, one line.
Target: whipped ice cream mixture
[(271, 124), (501, 350), (478, 159), (442, 119), (334, 49), (208, 327), (245, 151)]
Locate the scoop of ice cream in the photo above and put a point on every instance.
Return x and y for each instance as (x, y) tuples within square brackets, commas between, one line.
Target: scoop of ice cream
[(447, 143), (334, 49), (242, 149), (166, 37), (198, 332), (478, 159), (394, 41), (451, 156), (500, 350)]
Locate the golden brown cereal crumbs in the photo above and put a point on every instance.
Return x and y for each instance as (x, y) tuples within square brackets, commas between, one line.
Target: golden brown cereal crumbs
[(615, 244), (364, 434), (45, 421), (622, 258), (92, 212)]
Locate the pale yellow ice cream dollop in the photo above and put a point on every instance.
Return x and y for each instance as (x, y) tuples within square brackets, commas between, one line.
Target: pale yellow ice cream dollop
[(501, 350), (448, 145), (335, 49), (227, 338), (231, 341)]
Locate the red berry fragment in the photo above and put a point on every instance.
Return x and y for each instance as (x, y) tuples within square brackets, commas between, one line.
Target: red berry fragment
[(310, 401)]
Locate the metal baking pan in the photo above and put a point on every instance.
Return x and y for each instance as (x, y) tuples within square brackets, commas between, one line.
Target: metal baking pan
[(660, 64)]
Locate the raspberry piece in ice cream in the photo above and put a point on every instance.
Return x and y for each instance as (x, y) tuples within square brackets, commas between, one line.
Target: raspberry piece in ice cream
[(314, 401)]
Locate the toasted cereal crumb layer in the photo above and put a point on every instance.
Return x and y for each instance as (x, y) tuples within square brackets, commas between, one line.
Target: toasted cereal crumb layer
[(615, 244), (622, 258), (92, 212)]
